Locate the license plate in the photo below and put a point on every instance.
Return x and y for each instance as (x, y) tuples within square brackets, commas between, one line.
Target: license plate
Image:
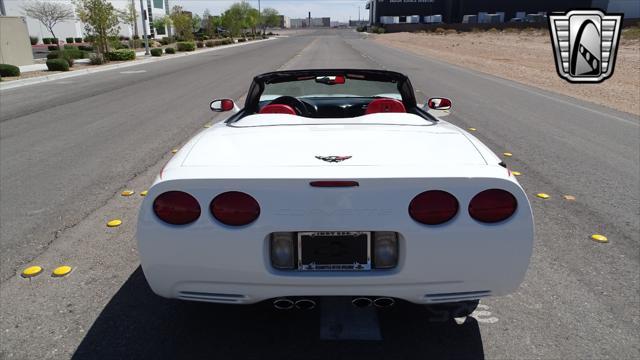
[(334, 251)]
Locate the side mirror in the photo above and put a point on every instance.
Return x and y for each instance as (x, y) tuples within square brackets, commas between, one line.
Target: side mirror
[(439, 104), (222, 105)]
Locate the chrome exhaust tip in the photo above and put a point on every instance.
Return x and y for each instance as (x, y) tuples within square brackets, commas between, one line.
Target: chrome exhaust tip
[(361, 302), (305, 304), (383, 302), (283, 304)]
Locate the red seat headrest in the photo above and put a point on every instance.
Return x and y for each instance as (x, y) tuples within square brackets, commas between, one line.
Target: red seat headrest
[(278, 109), (385, 105)]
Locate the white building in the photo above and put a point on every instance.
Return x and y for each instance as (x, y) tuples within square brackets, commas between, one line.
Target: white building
[(74, 28)]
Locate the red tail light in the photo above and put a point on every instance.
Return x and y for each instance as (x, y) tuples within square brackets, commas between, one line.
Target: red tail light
[(235, 208), (491, 206), (176, 207), (433, 207)]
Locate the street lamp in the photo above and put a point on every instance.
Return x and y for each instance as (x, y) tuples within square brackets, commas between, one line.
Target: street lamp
[(144, 27)]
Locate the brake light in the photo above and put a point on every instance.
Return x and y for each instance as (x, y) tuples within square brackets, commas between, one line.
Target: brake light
[(176, 208), (493, 205), (334, 183), (433, 207), (235, 208)]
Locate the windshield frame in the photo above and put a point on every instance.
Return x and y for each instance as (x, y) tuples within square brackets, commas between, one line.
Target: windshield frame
[(257, 87)]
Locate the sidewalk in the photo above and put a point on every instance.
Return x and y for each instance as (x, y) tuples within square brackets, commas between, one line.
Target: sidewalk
[(141, 58)]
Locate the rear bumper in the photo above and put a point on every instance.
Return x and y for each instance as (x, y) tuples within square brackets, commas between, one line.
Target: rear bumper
[(459, 260)]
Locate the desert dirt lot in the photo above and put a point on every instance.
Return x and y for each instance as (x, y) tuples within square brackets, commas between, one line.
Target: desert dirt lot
[(527, 57)]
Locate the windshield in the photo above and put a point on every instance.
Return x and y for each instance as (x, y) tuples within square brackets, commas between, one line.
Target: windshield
[(331, 86)]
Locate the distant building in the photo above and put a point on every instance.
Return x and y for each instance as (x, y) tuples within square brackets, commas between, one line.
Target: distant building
[(453, 11), (285, 22), (358, 23), (315, 22), (153, 8)]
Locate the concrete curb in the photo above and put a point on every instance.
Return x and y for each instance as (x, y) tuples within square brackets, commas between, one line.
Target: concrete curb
[(40, 79)]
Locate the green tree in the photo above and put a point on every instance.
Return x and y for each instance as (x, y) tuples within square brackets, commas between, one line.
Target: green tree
[(48, 13), (270, 18), (196, 23), (252, 20), (161, 23), (129, 16), (101, 20), (181, 23), (236, 18), (210, 23)]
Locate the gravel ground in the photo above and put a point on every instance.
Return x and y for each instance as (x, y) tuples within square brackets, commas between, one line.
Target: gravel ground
[(527, 57)]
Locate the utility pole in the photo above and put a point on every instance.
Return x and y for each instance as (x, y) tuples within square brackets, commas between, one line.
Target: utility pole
[(144, 27), (259, 16)]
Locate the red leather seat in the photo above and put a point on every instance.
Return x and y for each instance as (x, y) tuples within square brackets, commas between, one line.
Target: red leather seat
[(278, 109), (385, 106)]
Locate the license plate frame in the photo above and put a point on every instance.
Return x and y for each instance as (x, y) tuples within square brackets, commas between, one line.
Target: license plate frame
[(355, 266)]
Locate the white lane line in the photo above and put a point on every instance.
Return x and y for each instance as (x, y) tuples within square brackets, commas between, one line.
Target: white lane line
[(133, 72), (513, 84), (339, 320)]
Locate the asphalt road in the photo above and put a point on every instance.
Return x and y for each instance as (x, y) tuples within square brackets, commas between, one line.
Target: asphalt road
[(68, 147)]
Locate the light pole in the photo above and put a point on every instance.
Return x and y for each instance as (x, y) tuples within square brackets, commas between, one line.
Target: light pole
[(144, 27)]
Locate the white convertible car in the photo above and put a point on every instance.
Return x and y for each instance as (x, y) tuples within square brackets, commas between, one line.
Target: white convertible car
[(334, 183)]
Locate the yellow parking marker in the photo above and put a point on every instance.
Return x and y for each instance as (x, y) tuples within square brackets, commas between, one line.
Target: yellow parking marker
[(174, 151), (516, 173), (507, 154), (31, 271), (61, 271), (543, 196), (144, 193), (114, 223), (127, 193), (599, 238), (472, 129), (569, 197)]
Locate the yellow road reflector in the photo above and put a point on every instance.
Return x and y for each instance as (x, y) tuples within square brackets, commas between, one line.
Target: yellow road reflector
[(114, 223), (127, 193), (516, 173), (31, 271), (543, 196), (472, 129), (174, 151), (61, 271), (569, 197), (507, 154), (599, 238), (144, 193), (207, 126)]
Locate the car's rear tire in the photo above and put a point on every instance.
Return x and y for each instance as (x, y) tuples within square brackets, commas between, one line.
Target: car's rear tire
[(454, 309)]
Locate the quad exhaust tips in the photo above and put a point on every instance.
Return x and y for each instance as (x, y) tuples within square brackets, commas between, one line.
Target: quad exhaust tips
[(381, 302), (288, 304)]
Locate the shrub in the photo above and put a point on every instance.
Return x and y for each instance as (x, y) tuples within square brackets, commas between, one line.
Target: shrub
[(210, 43), (9, 70), (69, 40), (73, 53), (68, 47), (55, 40), (169, 50), (199, 44), (57, 65), (186, 46), (46, 41), (96, 59), (121, 55), (241, 40), (156, 52), (33, 39), (78, 40), (85, 47)]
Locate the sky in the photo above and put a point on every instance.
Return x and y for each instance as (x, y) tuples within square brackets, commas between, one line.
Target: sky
[(337, 10)]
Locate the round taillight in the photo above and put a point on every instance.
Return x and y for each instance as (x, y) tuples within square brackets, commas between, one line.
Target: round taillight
[(493, 205), (235, 208), (176, 207), (433, 207)]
